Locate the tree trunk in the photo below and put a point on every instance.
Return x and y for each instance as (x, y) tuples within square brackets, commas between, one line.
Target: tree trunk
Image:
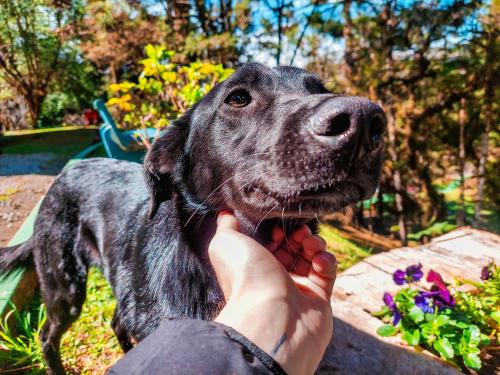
[(378, 221), (460, 218), (488, 116), (350, 65), (34, 101), (114, 72), (280, 31), (396, 176), (178, 18), (358, 217)]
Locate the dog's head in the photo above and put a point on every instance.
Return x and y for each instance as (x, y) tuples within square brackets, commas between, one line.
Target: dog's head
[(269, 143)]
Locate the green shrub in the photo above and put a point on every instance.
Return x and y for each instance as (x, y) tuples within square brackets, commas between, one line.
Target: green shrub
[(164, 89)]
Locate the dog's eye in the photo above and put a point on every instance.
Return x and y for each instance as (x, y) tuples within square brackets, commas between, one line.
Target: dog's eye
[(238, 99)]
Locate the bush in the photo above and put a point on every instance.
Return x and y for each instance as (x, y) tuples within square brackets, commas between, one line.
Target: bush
[(54, 108), (164, 89)]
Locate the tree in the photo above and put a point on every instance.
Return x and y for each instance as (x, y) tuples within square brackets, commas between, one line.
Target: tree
[(32, 46), (219, 31), (114, 35), (409, 57), (491, 46)]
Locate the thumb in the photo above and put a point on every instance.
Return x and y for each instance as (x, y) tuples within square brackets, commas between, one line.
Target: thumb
[(227, 252), (227, 221)]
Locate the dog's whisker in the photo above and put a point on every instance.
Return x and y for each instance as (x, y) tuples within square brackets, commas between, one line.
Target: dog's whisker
[(200, 221), (283, 225), (253, 180), (317, 219), (244, 159), (263, 218), (217, 188)]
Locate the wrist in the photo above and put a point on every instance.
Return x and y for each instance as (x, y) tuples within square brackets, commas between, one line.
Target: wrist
[(280, 327)]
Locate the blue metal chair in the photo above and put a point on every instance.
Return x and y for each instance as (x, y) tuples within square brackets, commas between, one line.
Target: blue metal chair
[(120, 144)]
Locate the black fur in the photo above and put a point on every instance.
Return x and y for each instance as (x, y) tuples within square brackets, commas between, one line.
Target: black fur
[(279, 159)]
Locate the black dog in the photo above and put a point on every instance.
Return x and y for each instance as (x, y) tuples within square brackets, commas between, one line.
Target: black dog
[(273, 145)]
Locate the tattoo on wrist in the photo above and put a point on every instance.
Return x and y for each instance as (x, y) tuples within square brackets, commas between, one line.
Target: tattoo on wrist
[(279, 344)]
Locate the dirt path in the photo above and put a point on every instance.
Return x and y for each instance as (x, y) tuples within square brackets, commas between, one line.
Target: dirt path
[(24, 180), (18, 196)]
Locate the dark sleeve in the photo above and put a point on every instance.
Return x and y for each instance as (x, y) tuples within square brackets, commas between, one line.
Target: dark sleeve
[(193, 346)]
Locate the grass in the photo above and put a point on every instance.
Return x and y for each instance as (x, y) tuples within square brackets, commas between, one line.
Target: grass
[(90, 346), (19, 340), (48, 130), (491, 218), (347, 252), (62, 143)]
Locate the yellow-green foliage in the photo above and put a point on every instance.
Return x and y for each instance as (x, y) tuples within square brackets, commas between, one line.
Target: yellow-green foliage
[(164, 89), (347, 252)]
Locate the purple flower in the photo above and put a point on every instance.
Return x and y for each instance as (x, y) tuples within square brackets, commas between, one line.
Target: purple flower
[(414, 272), (389, 302), (396, 318), (485, 273), (436, 279), (425, 301), (399, 277), (411, 274), (442, 296)]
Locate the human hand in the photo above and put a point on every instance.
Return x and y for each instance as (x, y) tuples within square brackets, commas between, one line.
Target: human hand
[(279, 296)]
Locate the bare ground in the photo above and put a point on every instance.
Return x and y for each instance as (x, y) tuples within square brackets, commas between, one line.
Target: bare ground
[(18, 196)]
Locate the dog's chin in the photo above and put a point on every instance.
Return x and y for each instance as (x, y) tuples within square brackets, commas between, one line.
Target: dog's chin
[(259, 204)]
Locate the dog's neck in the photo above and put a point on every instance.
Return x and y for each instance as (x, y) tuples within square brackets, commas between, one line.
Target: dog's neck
[(200, 227)]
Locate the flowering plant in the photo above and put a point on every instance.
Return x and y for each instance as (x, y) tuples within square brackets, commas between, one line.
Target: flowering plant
[(455, 324), (164, 89)]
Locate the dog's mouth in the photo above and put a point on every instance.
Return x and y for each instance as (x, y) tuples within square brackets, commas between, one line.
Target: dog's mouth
[(308, 202), (326, 190)]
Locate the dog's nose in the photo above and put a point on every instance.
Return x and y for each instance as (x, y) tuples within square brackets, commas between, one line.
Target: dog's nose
[(340, 121)]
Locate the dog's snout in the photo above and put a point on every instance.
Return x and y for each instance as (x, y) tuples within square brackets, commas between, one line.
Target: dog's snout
[(340, 121), (338, 125), (376, 129)]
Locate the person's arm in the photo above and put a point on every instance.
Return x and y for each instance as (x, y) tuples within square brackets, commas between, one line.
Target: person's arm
[(185, 346), (277, 315), (279, 297)]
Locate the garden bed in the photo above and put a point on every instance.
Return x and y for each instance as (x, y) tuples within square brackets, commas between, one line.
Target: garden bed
[(358, 293)]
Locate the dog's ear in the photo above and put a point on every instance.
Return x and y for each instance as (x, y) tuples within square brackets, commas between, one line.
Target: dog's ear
[(160, 162)]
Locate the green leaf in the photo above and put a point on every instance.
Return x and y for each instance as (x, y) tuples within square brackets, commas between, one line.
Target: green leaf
[(442, 320), (495, 315), (387, 330), (472, 361), (382, 312), (412, 339), (472, 335), (485, 340), (444, 348), (416, 314)]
